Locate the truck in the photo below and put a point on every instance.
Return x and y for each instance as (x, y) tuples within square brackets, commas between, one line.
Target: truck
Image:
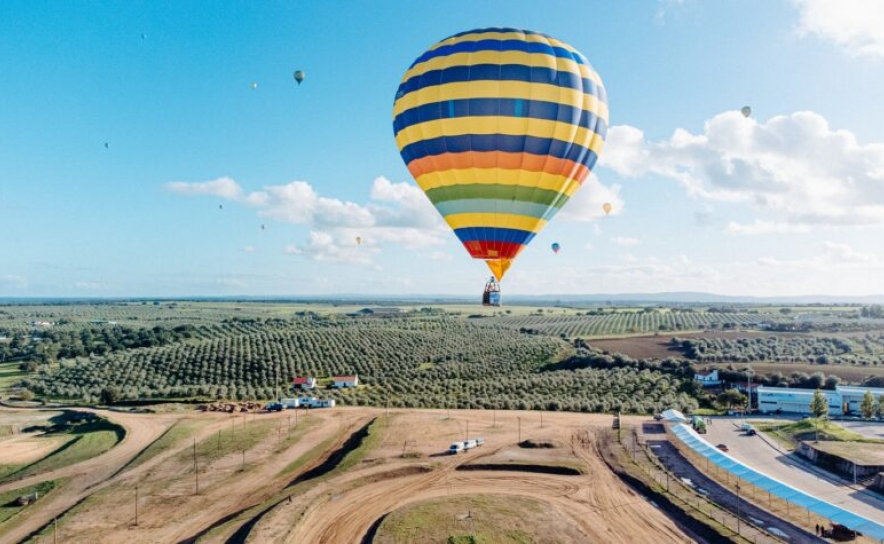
[(469, 444), (273, 407), (289, 404), (313, 402), (455, 448)]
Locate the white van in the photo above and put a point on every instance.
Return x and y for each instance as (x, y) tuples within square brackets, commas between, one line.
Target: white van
[(469, 444), (456, 448), (480, 441)]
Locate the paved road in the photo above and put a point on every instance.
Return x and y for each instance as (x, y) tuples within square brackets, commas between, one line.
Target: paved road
[(791, 469), (870, 429), (683, 469)]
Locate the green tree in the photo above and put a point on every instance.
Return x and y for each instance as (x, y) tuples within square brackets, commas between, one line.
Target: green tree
[(867, 407), (731, 398), (819, 406), (110, 394), (881, 406)]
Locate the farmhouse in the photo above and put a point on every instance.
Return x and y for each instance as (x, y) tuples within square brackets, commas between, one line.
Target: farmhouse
[(707, 378), (304, 383), (346, 381)]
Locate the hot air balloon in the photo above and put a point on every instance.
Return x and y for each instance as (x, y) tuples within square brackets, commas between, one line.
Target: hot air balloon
[(359, 240), (746, 111), (607, 207), (254, 85), (556, 247), (299, 76), (499, 127)]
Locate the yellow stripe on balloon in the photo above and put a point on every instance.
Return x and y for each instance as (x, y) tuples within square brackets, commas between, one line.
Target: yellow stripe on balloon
[(489, 176), (464, 90), (540, 60), (498, 220), (519, 36), (512, 126)]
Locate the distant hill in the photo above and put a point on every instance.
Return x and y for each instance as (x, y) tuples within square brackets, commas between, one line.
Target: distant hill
[(534, 300)]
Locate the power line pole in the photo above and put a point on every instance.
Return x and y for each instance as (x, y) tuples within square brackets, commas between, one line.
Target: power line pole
[(136, 506), (196, 474)]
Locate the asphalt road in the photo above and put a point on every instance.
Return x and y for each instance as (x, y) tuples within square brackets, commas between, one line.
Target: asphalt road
[(793, 470), (683, 469)]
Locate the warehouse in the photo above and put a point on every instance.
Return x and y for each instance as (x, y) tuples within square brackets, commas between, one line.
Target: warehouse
[(783, 399)]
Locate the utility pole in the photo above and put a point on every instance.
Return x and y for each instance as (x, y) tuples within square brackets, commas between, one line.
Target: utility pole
[(541, 419), (738, 509), (136, 506), (467, 437), (54, 530), (520, 429), (196, 474)]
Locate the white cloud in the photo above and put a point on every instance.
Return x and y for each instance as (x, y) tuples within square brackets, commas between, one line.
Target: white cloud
[(93, 285), (586, 204), (764, 227), (843, 253), (624, 241), (297, 202), (249, 249), (224, 188), (793, 165), (855, 25), (325, 247), (13, 280)]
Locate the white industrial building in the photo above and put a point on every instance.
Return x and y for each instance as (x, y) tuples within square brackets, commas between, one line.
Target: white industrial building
[(843, 400)]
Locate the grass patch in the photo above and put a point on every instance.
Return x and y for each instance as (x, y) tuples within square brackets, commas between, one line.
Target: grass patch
[(10, 374), (228, 441), (425, 366), (89, 440), (8, 508), (806, 429), (177, 432), (6, 470)]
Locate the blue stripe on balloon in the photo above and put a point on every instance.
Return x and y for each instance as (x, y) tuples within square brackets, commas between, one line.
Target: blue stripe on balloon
[(500, 72), (502, 142), (499, 46), (493, 234), (483, 107)]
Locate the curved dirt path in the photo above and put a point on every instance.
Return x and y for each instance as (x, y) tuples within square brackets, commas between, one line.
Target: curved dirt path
[(599, 504), (86, 476)]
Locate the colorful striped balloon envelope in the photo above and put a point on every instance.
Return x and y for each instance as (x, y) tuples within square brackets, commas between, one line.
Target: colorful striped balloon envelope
[(500, 127)]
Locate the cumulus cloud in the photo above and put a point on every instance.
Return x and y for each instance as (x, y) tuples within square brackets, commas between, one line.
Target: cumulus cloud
[(325, 247), (13, 280), (249, 249), (225, 188), (586, 204), (624, 241), (855, 25), (794, 165)]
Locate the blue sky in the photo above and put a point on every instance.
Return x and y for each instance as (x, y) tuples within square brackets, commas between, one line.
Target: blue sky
[(788, 202)]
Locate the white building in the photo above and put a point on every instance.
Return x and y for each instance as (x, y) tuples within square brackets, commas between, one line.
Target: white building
[(852, 397), (785, 399), (346, 381), (707, 378)]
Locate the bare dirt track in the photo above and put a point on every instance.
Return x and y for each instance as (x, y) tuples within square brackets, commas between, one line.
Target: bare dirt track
[(598, 503), (341, 506)]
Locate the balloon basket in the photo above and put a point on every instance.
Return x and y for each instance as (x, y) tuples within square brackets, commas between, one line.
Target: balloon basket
[(491, 296)]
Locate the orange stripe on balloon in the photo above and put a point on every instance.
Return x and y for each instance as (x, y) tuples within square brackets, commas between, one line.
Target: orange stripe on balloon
[(498, 159)]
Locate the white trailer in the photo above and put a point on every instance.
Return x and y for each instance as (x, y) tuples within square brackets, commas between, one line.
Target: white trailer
[(289, 404)]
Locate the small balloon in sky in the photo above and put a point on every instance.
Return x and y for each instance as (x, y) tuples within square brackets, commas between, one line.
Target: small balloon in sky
[(607, 207), (106, 145), (220, 206), (144, 36), (359, 240), (262, 227), (254, 85), (556, 247), (299, 76), (746, 111)]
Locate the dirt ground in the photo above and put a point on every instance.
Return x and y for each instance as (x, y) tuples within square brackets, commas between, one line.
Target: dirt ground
[(27, 448), (97, 504), (644, 347)]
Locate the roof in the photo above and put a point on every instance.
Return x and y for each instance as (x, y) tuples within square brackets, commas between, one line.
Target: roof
[(853, 390), (300, 381), (673, 415), (705, 372), (345, 378), (775, 487), (794, 391)]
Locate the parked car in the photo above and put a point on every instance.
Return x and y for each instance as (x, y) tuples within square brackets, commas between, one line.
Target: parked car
[(469, 444), (722, 447), (480, 441), (456, 448), (658, 417)]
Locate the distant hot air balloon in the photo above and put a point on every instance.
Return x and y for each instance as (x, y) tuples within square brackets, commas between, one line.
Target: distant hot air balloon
[(254, 85), (299, 76), (106, 145), (607, 207), (556, 247), (500, 127), (262, 227), (746, 111), (359, 240)]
